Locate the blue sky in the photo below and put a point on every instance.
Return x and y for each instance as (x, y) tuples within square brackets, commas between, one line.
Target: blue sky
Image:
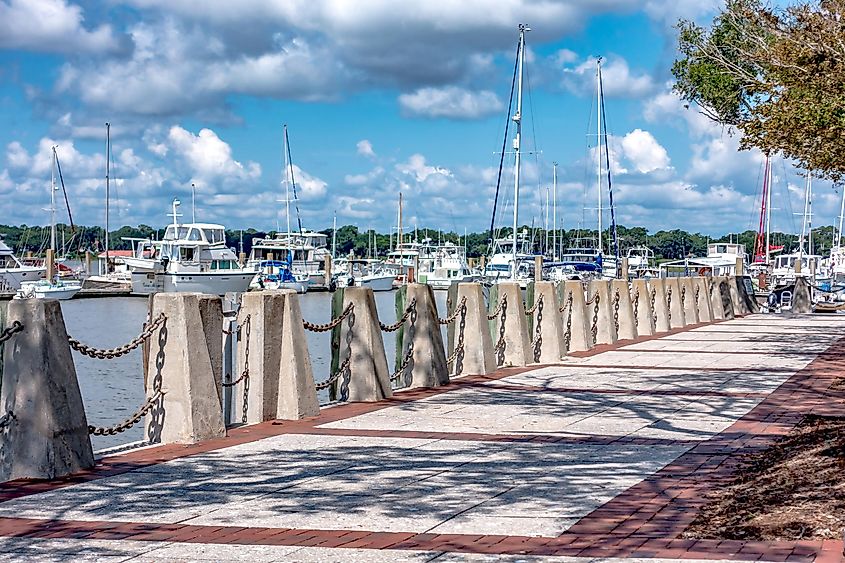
[(379, 97)]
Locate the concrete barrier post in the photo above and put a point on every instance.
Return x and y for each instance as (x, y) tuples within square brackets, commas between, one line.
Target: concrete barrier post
[(625, 269), (512, 347), (735, 299), (714, 296), (623, 310), (802, 296), (548, 338), (746, 295), (726, 296), (643, 311), (675, 303), (578, 320), (423, 342), (297, 396), (689, 302), (473, 342), (362, 343), (45, 432), (603, 325), (186, 363), (701, 297), (659, 295)]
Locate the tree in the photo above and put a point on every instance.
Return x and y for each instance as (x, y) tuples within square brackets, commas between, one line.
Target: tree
[(776, 75)]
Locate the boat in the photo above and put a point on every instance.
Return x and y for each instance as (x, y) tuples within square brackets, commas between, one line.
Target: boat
[(191, 257), (352, 272), (449, 266), (277, 274), (13, 272), (582, 258), (641, 263), (804, 263), (52, 287), (721, 260)]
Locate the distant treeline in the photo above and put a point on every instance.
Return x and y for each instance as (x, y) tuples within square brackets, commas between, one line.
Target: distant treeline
[(667, 245)]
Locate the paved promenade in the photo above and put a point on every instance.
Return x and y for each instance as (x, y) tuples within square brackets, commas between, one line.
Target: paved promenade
[(604, 457)]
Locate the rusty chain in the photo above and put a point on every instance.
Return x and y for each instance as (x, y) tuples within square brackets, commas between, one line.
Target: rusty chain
[(683, 297), (616, 298), (636, 303), (669, 305), (314, 327), (340, 371), (697, 293), (148, 404), (405, 361), (595, 329), (537, 343), (498, 310), (568, 336), (459, 347), (533, 308), (245, 373), (500, 346), (398, 324), (451, 318), (7, 419), (653, 310), (111, 353), (10, 331)]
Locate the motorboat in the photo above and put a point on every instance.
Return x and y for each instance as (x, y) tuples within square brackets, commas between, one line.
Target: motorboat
[(13, 272), (277, 274), (351, 272), (44, 289), (641, 263), (721, 260)]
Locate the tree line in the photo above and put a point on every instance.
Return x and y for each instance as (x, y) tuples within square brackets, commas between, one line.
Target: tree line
[(672, 244)]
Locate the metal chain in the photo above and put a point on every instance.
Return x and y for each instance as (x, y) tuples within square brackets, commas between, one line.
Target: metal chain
[(500, 346), (313, 327), (10, 331), (712, 285), (340, 371), (537, 343), (398, 324), (498, 310), (697, 293), (616, 298), (595, 330), (149, 403), (669, 304), (636, 300), (683, 297), (7, 419), (568, 336), (129, 422), (534, 307), (112, 353), (653, 310), (405, 361), (245, 374), (451, 318), (593, 300)]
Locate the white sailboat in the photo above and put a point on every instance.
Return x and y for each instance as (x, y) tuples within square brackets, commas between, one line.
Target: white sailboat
[(52, 287)]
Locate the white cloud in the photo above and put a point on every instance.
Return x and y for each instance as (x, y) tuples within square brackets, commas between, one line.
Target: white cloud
[(644, 152), (208, 156), (450, 102), (417, 168), (365, 148), (618, 80), (52, 26)]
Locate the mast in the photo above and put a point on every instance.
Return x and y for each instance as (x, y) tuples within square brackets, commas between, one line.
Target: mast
[(193, 203), (554, 211), (841, 215), (517, 118), (598, 147), (53, 201), (810, 212), (399, 226), (108, 171), (768, 211), (334, 235), (287, 180), (804, 221)]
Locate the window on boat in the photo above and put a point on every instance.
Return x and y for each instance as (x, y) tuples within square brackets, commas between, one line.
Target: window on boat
[(214, 236), (183, 232), (186, 253), (194, 234)]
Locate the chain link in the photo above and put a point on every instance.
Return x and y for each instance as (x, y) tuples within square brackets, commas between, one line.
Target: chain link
[(313, 327), (10, 331), (534, 307), (653, 310), (405, 361), (398, 324), (7, 419), (451, 318), (111, 353), (616, 298), (340, 372), (568, 336), (150, 402), (697, 293), (459, 347), (498, 310), (669, 305), (636, 300), (245, 373), (683, 297), (595, 329)]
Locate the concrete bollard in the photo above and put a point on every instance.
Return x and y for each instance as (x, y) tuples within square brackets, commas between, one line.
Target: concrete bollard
[(745, 290), (627, 324), (578, 320), (688, 301), (802, 296), (549, 345), (728, 307), (297, 395), (186, 362), (735, 300), (717, 308), (514, 347), (673, 300), (660, 301), (362, 344), (701, 293), (427, 364), (643, 311), (46, 432), (605, 326), (473, 330)]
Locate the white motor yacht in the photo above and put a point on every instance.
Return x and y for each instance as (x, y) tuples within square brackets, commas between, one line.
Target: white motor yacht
[(13, 272), (191, 257), (350, 272), (641, 262)]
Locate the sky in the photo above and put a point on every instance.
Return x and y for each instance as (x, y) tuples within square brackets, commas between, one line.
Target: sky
[(379, 97)]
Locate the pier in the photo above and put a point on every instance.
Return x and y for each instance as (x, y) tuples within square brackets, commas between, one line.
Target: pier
[(567, 423)]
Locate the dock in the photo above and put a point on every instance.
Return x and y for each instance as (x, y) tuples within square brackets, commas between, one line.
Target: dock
[(609, 453)]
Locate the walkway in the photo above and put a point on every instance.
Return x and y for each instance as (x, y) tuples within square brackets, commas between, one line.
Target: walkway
[(607, 455)]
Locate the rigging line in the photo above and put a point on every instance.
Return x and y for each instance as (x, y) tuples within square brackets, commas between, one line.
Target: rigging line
[(609, 184), (293, 184), (534, 137), (112, 175), (504, 145), (64, 191)]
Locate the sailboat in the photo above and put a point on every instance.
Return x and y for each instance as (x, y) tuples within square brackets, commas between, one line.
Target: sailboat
[(783, 271), (52, 287)]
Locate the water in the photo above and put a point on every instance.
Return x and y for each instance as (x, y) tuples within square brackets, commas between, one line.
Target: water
[(113, 389)]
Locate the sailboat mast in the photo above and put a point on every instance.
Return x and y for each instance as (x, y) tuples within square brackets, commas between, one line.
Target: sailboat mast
[(287, 179), (804, 219), (554, 211), (598, 148), (108, 173), (517, 118), (768, 210), (810, 212), (53, 201), (334, 236), (841, 215), (399, 227)]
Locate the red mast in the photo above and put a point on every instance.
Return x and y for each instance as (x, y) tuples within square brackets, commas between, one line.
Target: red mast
[(760, 240)]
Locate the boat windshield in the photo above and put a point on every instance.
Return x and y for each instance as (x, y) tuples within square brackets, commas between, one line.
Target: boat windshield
[(214, 236)]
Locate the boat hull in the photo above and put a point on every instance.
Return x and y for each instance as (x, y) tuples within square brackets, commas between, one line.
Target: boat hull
[(43, 290), (12, 278), (147, 283)]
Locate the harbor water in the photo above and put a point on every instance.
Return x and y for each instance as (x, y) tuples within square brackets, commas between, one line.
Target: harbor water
[(113, 389)]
